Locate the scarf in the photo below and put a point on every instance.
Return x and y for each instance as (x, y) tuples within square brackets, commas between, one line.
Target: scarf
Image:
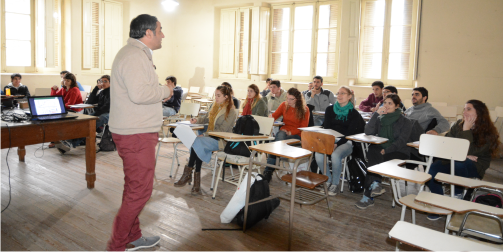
[(386, 131), (215, 109), (247, 110), (342, 112)]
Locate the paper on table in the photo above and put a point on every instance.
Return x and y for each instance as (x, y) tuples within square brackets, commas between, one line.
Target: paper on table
[(324, 131), (185, 134)]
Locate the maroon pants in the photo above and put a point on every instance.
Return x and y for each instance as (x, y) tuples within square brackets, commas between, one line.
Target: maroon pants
[(138, 157)]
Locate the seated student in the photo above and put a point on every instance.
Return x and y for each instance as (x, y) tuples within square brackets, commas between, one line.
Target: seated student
[(477, 127), (70, 92), (254, 105), (295, 115), (63, 73), (266, 89), (424, 113), (171, 105), (309, 88), (369, 104), (389, 123), (390, 90), (320, 98), (234, 99), (345, 119), (101, 96), (221, 118), (16, 88), (276, 96)]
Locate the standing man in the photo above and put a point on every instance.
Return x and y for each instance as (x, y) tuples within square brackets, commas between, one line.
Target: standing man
[(426, 115), (16, 88), (266, 89), (135, 120), (369, 104), (171, 105), (320, 98)]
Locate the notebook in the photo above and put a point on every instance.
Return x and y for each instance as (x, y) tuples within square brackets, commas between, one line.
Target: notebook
[(45, 108)]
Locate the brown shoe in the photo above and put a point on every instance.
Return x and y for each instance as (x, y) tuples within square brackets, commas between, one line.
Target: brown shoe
[(196, 189), (186, 177)]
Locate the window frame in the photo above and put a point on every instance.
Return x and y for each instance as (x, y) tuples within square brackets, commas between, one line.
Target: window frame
[(410, 81)]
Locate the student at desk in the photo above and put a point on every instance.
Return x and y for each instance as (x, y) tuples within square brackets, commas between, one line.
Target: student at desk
[(345, 119), (70, 92), (295, 115), (254, 105), (388, 123), (221, 118), (477, 127)]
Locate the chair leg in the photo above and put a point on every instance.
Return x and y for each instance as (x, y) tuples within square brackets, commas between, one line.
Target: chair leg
[(344, 173), (241, 171), (175, 153), (213, 172), (328, 203), (220, 167), (402, 217), (397, 247), (448, 219), (413, 216)]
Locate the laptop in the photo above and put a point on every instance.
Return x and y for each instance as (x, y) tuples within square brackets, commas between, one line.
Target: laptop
[(46, 108)]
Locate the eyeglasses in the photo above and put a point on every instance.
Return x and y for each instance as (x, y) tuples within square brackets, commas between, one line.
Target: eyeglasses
[(337, 94), (291, 99)]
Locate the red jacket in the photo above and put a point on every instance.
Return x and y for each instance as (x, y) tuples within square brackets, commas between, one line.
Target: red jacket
[(292, 124), (370, 102), (70, 97)]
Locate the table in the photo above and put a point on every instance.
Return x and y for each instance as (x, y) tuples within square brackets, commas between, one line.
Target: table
[(28, 133), (414, 144), (279, 149), (365, 140), (233, 136), (87, 107), (322, 113), (456, 205)]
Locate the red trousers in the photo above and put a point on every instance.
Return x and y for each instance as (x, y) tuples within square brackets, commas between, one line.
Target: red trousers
[(138, 158)]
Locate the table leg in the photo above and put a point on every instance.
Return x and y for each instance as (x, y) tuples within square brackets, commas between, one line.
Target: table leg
[(247, 200), (91, 154), (292, 202), (21, 152)]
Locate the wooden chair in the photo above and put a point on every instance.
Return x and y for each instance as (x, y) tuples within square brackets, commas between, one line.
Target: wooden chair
[(265, 124)]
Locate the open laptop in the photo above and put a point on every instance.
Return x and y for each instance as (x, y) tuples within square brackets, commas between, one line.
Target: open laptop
[(45, 108)]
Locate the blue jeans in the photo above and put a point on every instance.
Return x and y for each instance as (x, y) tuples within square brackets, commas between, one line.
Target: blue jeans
[(338, 155), (168, 111), (280, 136), (465, 169), (102, 120), (318, 120)]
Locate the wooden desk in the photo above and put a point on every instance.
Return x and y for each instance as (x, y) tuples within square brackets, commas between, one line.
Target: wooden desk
[(279, 149), (466, 182), (83, 105), (414, 144), (203, 100), (456, 205), (28, 133), (232, 136), (322, 113), (365, 140)]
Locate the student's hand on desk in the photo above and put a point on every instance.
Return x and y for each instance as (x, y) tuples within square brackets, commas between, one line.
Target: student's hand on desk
[(193, 120), (382, 152), (472, 158), (55, 87), (432, 132)]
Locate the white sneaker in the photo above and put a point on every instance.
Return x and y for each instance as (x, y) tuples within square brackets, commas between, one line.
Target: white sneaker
[(332, 191)]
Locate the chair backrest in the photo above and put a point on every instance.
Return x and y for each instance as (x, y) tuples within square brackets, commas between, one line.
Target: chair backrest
[(265, 124), (438, 104), (444, 147), (84, 95), (317, 142), (448, 111), (87, 88), (42, 91), (194, 89), (494, 115), (187, 108), (185, 90), (184, 94), (210, 91), (240, 93), (311, 119)]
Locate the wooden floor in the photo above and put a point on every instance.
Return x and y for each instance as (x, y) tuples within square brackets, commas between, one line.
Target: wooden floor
[(51, 209)]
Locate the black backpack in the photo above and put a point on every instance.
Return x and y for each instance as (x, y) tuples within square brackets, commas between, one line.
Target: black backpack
[(259, 190), (245, 125), (490, 200), (107, 143), (357, 167)]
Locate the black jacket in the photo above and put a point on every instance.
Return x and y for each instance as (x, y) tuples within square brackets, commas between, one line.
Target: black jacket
[(102, 99), (21, 90), (176, 100), (353, 125)]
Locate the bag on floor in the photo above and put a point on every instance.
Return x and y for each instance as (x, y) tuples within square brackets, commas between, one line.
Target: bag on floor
[(107, 143), (357, 172), (237, 201), (489, 199), (259, 190)]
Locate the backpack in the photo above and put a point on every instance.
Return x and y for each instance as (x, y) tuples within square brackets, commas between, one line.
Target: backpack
[(489, 199), (357, 171), (245, 125), (107, 143), (259, 190)]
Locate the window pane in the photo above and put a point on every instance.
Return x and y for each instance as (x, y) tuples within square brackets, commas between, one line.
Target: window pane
[(17, 26), (398, 67), (400, 39), (302, 41), (328, 16), (301, 64), (373, 39), (17, 53), (374, 13), (371, 67), (327, 40), (401, 12), (326, 64), (279, 63), (304, 17), (18, 6), (280, 41), (281, 19)]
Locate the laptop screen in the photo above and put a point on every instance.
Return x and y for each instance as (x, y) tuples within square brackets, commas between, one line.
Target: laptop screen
[(48, 105)]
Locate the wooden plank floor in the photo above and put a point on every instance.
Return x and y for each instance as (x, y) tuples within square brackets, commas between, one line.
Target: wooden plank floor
[(51, 209)]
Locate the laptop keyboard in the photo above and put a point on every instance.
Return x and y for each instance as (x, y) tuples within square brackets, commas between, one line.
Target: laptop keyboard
[(50, 117)]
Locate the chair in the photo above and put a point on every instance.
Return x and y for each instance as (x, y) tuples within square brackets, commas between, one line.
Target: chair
[(449, 112), (87, 88), (185, 92), (194, 89), (265, 125), (84, 95), (499, 113), (210, 91), (438, 104), (186, 109)]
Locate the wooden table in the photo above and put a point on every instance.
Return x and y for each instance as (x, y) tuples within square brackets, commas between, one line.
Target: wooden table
[(414, 144), (467, 182), (28, 133), (233, 136), (322, 113), (279, 149), (365, 140)]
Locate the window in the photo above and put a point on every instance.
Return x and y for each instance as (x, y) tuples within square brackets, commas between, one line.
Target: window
[(388, 41), (102, 34), (305, 41), (235, 42), (31, 37)]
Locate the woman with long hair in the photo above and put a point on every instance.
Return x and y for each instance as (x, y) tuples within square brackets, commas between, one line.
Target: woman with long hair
[(478, 128), (234, 99), (388, 122), (295, 115), (221, 118), (345, 119), (70, 92), (254, 104)]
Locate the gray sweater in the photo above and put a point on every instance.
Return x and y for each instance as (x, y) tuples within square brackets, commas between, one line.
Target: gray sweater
[(424, 113), (401, 132), (320, 101)]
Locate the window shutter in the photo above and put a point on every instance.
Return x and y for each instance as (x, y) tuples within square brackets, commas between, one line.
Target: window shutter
[(400, 40), (372, 39), (91, 41), (113, 32), (259, 40), (244, 42), (280, 40), (51, 37), (326, 59), (227, 39)]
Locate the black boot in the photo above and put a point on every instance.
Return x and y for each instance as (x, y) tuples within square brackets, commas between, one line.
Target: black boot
[(268, 175)]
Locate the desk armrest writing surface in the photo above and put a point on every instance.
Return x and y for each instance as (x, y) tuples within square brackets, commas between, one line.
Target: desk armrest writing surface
[(233, 136), (282, 149), (367, 138), (456, 205), (392, 170), (466, 182)]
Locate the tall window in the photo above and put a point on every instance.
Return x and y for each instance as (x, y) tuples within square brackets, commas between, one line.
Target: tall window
[(19, 42), (388, 41), (305, 41)]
